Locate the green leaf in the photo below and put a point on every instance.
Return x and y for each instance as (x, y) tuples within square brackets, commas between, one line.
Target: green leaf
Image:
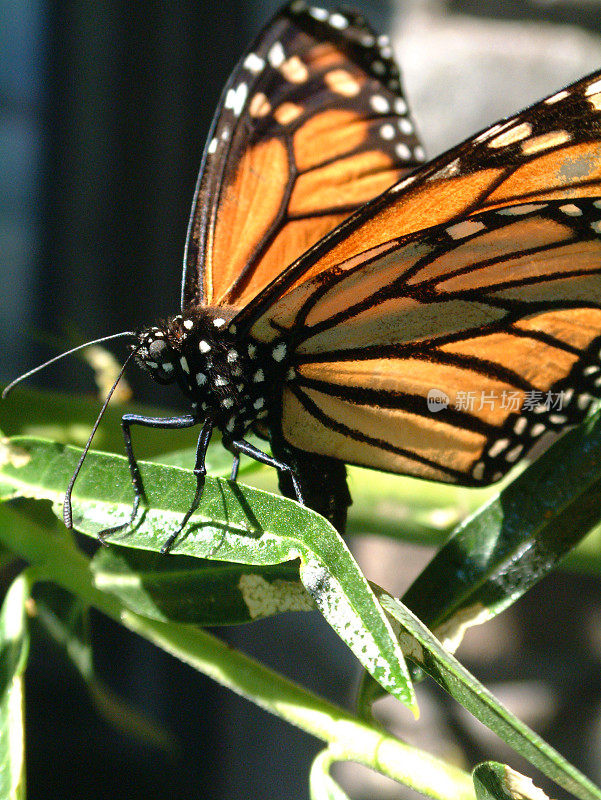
[(321, 783), (350, 738), (233, 523), (494, 781), (515, 540), (14, 641), (198, 591), (426, 651)]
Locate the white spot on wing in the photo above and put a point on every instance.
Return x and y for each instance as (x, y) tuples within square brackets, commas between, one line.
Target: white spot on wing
[(514, 211), (235, 98), (465, 228), (387, 132), (276, 55), (279, 351), (555, 98), (379, 104), (593, 88), (203, 346), (318, 13), (253, 63), (571, 210), (338, 21)]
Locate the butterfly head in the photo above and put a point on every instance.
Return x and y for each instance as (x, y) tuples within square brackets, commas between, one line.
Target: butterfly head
[(202, 354), (156, 354)]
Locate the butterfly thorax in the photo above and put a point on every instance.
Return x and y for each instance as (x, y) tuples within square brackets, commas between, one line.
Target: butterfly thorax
[(228, 378)]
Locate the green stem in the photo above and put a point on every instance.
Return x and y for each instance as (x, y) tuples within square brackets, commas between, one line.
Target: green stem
[(348, 737)]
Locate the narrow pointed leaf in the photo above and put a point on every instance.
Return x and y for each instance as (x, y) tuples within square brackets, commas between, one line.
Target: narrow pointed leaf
[(515, 539), (233, 523), (426, 651)]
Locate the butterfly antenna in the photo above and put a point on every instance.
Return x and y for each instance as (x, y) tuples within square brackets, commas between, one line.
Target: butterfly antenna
[(25, 375), (67, 509)]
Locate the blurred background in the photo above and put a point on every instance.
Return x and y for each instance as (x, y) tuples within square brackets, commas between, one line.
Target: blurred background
[(104, 108)]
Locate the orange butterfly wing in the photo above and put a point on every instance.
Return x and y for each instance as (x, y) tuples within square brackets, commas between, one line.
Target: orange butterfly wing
[(311, 125), (552, 150), (504, 324), (480, 273)]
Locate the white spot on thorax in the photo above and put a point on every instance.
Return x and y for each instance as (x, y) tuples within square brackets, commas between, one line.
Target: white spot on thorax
[(220, 381), (204, 346), (218, 322), (188, 324), (212, 145)]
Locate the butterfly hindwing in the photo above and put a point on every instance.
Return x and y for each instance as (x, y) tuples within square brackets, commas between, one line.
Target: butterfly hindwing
[(499, 314), (311, 125)]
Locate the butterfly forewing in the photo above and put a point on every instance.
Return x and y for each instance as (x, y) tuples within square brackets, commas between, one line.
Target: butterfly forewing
[(552, 150), (311, 125)]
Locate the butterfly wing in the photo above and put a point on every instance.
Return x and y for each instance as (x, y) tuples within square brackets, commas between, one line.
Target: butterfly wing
[(550, 151), (311, 125), (497, 307)]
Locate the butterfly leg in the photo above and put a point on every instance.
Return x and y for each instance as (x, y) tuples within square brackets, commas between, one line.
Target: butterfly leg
[(235, 467), (242, 447), (200, 471), (168, 423), (322, 480)]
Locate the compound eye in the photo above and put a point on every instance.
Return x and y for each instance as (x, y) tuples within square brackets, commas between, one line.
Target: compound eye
[(157, 350)]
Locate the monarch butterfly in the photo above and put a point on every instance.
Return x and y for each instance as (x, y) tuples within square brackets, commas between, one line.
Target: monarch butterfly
[(339, 299)]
